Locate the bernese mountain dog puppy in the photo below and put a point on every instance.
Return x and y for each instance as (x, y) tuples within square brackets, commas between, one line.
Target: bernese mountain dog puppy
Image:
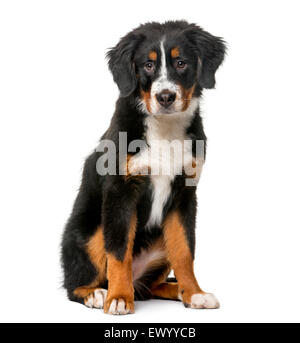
[(132, 222)]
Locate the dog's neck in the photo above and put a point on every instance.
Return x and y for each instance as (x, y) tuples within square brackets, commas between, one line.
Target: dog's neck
[(170, 126)]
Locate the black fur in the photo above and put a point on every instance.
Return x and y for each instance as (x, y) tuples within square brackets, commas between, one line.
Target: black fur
[(109, 200), (211, 52)]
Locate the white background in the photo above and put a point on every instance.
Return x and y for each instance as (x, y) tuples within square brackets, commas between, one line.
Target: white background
[(56, 100)]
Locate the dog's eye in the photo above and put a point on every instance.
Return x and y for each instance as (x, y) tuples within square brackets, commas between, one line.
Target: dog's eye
[(180, 64), (149, 66)]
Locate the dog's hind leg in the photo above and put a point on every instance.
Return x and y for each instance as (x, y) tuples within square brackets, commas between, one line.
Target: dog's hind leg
[(167, 290), (93, 295), (179, 239)]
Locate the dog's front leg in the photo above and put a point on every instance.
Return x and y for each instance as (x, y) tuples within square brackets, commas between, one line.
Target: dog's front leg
[(120, 296), (119, 219), (179, 240)]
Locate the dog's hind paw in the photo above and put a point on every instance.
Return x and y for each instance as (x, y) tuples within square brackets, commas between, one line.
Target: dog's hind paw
[(96, 299)]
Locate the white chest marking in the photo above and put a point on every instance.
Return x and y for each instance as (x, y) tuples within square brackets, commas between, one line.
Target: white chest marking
[(162, 132)]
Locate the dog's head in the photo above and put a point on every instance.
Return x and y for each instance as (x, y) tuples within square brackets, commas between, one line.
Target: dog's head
[(166, 65)]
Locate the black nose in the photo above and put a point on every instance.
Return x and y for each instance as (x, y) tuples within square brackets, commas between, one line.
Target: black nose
[(166, 98)]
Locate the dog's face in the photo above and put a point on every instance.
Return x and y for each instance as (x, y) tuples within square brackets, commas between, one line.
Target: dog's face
[(167, 75), (166, 65)]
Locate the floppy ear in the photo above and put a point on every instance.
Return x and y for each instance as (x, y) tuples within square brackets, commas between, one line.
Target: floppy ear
[(120, 62), (210, 50)]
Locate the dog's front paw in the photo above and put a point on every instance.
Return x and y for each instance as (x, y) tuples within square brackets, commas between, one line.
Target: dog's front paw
[(119, 306), (203, 300)]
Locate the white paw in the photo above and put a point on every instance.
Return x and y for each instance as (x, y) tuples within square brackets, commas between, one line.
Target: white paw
[(206, 300), (118, 306), (96, 299)]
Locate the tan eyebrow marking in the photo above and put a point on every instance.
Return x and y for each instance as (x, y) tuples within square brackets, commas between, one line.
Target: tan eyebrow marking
[(175, 52), (152, 55)]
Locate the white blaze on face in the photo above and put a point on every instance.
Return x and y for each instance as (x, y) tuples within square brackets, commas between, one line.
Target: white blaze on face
[(163, 83)]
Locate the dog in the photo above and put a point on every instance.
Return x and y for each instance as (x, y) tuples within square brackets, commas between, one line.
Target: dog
[(129, 229)]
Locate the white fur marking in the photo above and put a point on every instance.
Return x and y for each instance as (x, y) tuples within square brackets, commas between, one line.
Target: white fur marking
[(163, 69), (206, 300), (89, 301), (99, 297), (113, 307), (161, 191), (161, 131), (121, 307), (96, 299), (118, 307)]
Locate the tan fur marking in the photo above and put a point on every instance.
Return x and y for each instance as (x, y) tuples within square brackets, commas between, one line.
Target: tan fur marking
[(175, 52), (147, 98), (83, 292), (152, 55), (97, 253), (196, 165), (166, 290), (119, 274), (128, 174), (180, 257), (187, 95)]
